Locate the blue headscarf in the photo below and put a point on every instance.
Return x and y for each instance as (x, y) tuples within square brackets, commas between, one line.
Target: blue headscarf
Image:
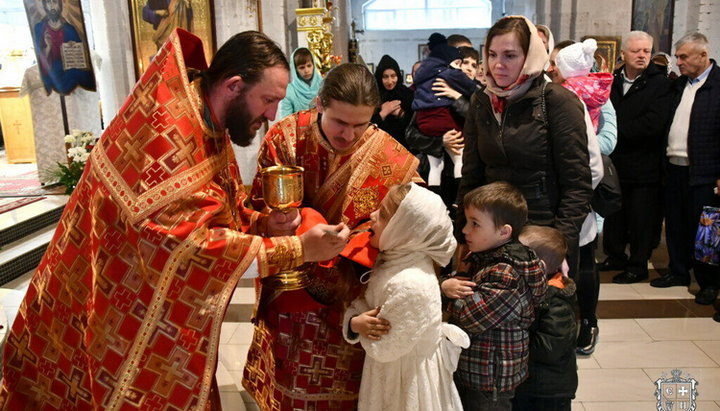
[(299, 94)]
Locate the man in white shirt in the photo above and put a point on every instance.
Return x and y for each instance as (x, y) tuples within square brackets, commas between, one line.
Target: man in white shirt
[(641, 97), (693, 164)]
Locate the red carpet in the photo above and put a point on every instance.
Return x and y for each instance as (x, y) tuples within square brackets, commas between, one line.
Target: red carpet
[(26, 185)]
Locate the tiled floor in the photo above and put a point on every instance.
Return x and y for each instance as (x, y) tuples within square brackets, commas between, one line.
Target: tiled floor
[(644, 333)]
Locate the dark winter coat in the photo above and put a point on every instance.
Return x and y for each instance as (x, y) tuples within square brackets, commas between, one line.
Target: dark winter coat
[(395, 126), (642, 118), (432, 69), (552, 369), (549, 163), (704, 131)]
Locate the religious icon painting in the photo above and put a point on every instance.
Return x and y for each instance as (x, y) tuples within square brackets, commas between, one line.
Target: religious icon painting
[(61, 46), (152, 21)]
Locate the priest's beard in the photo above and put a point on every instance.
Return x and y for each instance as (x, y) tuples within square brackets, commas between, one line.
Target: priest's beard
[(239, 122)]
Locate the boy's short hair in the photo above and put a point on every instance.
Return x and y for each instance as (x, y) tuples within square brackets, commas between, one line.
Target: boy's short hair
[(302, 56), (456, 40), (503, 202), (548, 243), (469, 52)]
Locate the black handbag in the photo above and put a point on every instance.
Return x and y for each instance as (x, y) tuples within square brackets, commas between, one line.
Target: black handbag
[(607, 196)]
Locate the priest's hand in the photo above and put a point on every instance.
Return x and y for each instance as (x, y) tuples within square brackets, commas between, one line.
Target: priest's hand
[(279, 223), (323, 242)]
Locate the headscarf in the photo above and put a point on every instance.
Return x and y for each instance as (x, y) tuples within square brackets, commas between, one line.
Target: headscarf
[(535, 60), (400, 92), (299, 92), (421, 225), (551, 39)]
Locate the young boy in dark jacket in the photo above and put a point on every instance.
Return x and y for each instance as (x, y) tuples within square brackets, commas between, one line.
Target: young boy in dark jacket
[(552, 370), (507, 286)]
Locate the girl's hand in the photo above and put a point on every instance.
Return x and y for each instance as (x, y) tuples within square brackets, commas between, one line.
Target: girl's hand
[(442, 89), (457, 287), (369, 325)]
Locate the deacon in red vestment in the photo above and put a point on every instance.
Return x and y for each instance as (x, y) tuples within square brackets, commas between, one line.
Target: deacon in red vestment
[(298, 358), (125, 308)]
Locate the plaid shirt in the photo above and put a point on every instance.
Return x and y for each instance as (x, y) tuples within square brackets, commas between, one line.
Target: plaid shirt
[(510, 284)]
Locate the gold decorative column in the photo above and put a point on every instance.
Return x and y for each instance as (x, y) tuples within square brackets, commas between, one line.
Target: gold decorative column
[(316, 22)]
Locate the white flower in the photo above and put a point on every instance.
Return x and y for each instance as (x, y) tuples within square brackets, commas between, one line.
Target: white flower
[(83, 157), (87, 138), (69, 139)]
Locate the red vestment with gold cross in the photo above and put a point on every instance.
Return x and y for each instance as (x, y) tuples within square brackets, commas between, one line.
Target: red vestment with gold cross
[(125, 308), (298, 358)]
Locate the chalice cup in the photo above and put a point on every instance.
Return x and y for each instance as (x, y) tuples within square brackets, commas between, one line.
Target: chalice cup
[(282, 188)]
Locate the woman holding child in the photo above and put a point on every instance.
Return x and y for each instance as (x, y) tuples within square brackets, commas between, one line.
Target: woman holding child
[(529, 133)]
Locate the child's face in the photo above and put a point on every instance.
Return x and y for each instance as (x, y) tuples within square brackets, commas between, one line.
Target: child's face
[(469, 66), (389, 79), (305, 70), (377, 226), (481, 233)]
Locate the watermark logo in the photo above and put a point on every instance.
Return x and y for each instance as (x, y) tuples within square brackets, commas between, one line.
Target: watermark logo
[(676, 393)]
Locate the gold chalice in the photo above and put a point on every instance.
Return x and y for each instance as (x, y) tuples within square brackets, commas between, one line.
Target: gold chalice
[(282, 188)]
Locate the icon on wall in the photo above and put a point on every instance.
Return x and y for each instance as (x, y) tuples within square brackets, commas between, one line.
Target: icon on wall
[(152, 21), (61, 46)]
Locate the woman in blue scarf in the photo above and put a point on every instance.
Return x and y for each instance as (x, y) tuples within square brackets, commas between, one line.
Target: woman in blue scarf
[(304, 84)]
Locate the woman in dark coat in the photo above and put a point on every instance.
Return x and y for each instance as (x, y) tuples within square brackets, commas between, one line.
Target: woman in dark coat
[(394, 112), (515, 134)]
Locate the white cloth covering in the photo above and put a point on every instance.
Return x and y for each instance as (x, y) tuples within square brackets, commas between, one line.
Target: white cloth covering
[(411, 367)]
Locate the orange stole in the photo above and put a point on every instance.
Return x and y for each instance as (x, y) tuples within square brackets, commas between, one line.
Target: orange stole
[(298, 357), (125, 308)]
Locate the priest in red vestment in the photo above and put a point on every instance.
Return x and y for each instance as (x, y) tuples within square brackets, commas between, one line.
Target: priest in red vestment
[(298, 358), (125, 308)]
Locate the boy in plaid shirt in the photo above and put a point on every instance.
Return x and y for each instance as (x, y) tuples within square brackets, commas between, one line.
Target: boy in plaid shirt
[(495, 303)]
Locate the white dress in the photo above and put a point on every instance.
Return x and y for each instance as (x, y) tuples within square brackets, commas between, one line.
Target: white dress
[(411, 367)]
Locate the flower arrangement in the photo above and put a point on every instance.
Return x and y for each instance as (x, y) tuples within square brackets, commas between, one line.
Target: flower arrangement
[(78, 144)]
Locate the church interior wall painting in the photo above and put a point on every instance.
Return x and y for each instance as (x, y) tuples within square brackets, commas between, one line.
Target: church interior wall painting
[(655, 17), (152, 21), (61, 47)]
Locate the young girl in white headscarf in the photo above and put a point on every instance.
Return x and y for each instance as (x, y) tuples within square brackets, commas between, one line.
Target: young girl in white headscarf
[(410, 353)]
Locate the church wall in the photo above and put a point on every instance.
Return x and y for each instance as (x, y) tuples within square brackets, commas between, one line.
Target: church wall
[(567, 19)]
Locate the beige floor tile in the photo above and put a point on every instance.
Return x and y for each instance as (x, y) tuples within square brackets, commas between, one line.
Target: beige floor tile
[(233, 356), (226, 332), (250, 404), (577, 406), (587, 362), (232, 401), (711, 348), (651, 354), (617, 384), (237, 379), (225, 381), (708, 380), (621, 330), (243, 295), (619, 406), (649, 292), (243, 334), (667, 329), (610, 292)]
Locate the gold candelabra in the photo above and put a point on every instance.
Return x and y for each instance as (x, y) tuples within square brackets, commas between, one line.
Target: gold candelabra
[(316, 22)]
